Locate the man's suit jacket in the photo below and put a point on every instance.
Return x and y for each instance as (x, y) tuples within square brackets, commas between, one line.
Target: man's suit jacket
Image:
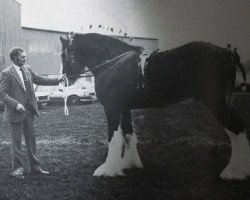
[(12, 91)]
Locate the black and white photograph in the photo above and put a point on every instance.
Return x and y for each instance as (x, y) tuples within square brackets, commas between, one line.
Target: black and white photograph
[(124, 100)]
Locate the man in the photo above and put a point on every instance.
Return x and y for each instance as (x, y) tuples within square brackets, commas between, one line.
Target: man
[(17, 93)]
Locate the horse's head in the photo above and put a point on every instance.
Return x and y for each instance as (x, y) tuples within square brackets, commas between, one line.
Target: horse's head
[(90, 50), (78, 52), (67, 68)]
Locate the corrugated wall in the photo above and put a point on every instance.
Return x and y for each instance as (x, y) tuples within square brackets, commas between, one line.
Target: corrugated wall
[(10, 29), (44, 48)]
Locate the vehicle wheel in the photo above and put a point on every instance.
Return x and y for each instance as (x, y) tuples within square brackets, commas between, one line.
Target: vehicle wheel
[(243, 87), (73, 100)]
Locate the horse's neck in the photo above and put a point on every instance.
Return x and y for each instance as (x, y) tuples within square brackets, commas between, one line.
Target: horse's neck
[(116, 52), (112, 61), (107, 56)]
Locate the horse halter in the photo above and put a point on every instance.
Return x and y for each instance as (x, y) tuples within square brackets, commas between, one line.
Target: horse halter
[(70, 57), (119, 60)]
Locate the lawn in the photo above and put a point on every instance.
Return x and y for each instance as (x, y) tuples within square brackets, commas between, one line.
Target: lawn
[(182, 147)]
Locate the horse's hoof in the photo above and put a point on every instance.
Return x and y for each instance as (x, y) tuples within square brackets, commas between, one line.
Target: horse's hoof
[(103, 170), (132, 164), (232, 174), (108, 174)]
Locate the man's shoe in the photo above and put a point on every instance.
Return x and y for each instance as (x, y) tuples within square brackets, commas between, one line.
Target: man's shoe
[(18, 173), (39, 171)]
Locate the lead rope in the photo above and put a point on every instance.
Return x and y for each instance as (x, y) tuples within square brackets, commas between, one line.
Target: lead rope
[(65, 95)]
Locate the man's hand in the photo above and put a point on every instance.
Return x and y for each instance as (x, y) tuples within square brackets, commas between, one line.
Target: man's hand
[(20, 108), (61, 77)]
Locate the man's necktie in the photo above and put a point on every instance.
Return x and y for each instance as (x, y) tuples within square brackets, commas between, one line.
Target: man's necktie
[(27, 86)]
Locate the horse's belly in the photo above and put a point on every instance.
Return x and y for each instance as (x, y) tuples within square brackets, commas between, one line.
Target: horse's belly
[(149, 97)]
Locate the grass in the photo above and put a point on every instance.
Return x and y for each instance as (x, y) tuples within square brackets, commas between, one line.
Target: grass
[(182, 147)]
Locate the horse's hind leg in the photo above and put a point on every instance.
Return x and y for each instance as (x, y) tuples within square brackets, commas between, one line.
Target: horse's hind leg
[(239, 164), (131, 157)]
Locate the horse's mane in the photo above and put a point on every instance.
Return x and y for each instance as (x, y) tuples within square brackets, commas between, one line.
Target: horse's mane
[(104, 42)]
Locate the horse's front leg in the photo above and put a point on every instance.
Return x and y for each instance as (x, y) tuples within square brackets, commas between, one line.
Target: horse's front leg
[(113, 164), (131, 157)]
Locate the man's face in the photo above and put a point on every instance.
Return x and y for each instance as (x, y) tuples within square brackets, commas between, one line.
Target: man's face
[(20, 59)]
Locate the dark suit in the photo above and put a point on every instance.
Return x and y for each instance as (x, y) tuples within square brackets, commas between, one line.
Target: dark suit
[(12, 92)]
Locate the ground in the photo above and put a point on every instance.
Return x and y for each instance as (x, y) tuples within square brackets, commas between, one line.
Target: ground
[(182, 147)]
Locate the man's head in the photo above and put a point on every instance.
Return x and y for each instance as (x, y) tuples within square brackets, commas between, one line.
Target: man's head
[(18, 56)]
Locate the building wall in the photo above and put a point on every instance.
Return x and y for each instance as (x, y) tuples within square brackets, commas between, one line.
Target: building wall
[(44, 48), (10, 29)]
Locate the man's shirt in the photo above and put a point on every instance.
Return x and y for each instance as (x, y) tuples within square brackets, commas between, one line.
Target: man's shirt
[(18, 70)]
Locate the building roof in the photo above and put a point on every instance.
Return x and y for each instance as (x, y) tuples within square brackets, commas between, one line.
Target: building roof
[(18, 1), (56, 31)]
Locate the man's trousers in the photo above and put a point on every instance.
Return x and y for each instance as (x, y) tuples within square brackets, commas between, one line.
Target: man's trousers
[(27, 128)]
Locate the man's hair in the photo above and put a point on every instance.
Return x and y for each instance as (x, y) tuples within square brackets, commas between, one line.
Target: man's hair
[(15, 51)]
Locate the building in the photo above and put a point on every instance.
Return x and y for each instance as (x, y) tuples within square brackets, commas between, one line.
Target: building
[(10, 29), (43, 46), (43, 49)]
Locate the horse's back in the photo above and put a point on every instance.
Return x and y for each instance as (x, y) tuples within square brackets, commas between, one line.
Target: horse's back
[(194, 69)]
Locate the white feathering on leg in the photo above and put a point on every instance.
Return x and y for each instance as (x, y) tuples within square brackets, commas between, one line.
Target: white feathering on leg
[(239, 164), (131, 157), (113, 164)]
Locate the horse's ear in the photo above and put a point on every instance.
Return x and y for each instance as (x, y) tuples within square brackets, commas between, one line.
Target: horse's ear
[(64, 41), (71, 35)]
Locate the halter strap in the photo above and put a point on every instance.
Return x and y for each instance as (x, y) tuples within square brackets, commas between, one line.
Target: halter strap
[(113, 59), (65, 95), (122, 57)]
